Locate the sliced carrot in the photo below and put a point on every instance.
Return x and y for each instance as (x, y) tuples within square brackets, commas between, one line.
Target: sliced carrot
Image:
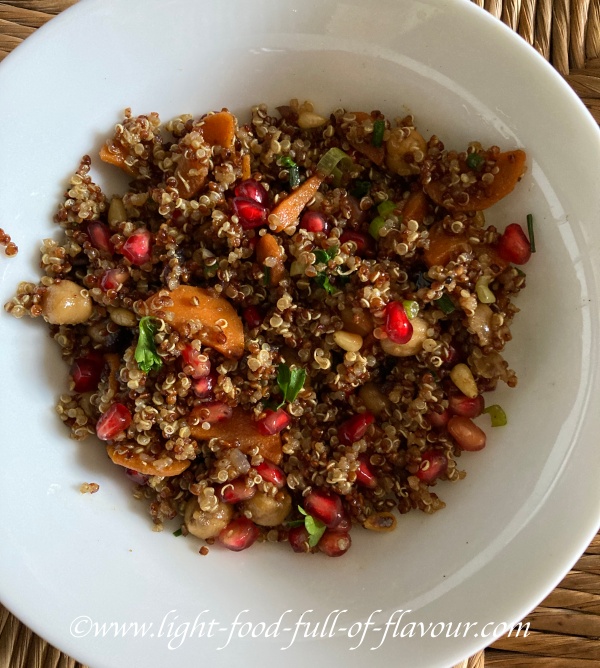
[(444, 247), (511, 167), (116, 158), (267, 247), (219, 129), (190, 184), (222, 328), (246, 168), (289, 209), (240, 431), (416, 207), (374, 153), (123, 456)]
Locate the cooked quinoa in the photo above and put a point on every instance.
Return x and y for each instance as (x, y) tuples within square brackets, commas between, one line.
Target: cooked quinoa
[(283, 328)]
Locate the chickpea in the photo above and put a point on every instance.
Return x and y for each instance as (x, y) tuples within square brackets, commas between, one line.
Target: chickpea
[(399, 146), (415, 344), (203, 524), (267, 510), (66, 303)]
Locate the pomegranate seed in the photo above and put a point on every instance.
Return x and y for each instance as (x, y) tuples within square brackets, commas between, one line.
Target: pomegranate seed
[(235, 491), (325, 506), (86, 372), (355, 428), (298, 538), (433, 465), (452, 357), (513, 245), (398, 327), (345, 523), (335, 543), (364, 474), (199, 363), (113, 278), (116, 419), (364, 244), (438, 420), (215, 411), (252, 316), (271, 473), (466, 433), (239, 534), (137, 248), (250, 213), (137, 477), (203, 386), (251, 189), (274, 422), (459, 404), (313, 221), (99, 235)]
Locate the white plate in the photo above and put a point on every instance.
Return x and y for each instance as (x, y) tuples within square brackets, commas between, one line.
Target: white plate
[(531, 501)]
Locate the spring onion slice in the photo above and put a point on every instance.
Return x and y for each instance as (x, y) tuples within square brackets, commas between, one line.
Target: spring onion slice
[(530, 232), (411, 308), (385, 208), (333, 158), (378, 130), (375, 227), (360, 189), (475, 161), (445, 304), (497, 414), (484, 294)]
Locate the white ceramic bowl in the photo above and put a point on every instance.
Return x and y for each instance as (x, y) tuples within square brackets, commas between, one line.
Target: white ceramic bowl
[(531, 500)]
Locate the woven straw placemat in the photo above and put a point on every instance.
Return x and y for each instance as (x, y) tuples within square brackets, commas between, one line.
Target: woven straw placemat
[(565, 628)]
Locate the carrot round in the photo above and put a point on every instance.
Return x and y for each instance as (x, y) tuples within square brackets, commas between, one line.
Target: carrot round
[(267, 247), (288, 210), (444, 247)]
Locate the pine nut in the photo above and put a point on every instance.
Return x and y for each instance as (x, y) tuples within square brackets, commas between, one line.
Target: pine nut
[(463, 379), (116, 211), (347, 341), (122, 317), (308, 120)]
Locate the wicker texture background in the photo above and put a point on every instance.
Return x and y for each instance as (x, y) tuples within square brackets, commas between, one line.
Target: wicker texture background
[(565, 628)]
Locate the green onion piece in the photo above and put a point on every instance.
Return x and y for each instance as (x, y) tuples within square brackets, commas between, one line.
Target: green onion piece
[(484, 294), (333, 158), (294, 177), (375, 227), (378, 130), (385, 208), (267, 275), (497, 414), (411, 308), (530, 232), (475, 161), (286, 161), (337, 176), (445, 304), (177, 533), (361, 188)]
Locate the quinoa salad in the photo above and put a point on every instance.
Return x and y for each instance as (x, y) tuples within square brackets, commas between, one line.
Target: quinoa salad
[(283, 330)]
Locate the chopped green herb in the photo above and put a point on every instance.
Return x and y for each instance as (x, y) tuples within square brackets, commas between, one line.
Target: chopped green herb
[(497, 414), (385, 208), (411, 308), (378, 130), (445, 304), (145, 351), (315, 527), (294, 523), (293, 170), (323, 281), (267, 275), (422, 281), (361, 188), (333, 158), (290, 382), (475, 161), (520, 272), (177, 533), (375, 227), (325, 255), (530, 232)]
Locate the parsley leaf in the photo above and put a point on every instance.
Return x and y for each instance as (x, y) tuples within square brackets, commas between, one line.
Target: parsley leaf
[(326, 255), (290, 382), (145, 351), (177, 533), (315, 527), (323, 281)]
